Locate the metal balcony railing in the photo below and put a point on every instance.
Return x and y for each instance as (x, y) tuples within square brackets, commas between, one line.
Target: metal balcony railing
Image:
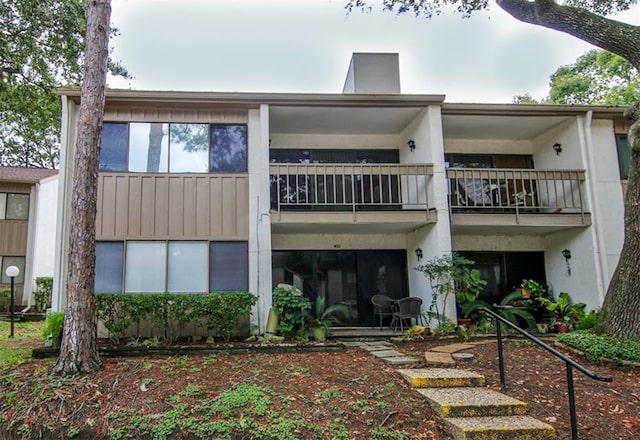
[(516, 190), (350, 187)]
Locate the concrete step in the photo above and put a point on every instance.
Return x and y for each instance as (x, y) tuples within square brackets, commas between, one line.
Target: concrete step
[(442, 377), (472, 402), (499, 428)]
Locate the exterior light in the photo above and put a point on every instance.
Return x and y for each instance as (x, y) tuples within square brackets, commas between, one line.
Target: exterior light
[(566, 253), (557, 147), (412, 144), (419, 254), (12, 272)]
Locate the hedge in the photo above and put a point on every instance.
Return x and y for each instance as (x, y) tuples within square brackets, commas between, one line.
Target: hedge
[(218, 313)]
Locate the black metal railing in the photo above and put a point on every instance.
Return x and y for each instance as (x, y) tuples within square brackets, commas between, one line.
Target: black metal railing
[(570, 364)]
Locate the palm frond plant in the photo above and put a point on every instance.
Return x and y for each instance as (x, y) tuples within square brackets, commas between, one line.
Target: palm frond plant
[(324, 318)]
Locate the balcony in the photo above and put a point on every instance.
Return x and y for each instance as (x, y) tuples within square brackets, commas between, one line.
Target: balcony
[(516, 201), (343, 198)]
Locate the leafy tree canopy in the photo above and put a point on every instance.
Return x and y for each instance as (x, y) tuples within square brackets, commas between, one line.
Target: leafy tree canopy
[(597, 77), (41, 48)]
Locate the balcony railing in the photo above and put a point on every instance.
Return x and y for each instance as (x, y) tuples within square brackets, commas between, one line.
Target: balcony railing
[(496, 190), (350, 187)]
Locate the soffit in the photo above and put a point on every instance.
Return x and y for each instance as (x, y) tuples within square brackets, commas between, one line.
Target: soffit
[(499, 126), (341, 120)]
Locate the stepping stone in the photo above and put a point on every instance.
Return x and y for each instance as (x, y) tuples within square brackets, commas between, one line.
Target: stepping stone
[(499, 428), (401, 360), (351, 343), (452, 348), (472, 402), (435, 359), (442, 377), (386, 353), (462, 356)]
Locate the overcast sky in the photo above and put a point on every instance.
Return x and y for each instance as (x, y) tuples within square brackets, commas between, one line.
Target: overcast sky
[(306, 45)]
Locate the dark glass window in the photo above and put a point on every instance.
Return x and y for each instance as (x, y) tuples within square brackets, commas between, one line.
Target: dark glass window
[(333, 156), (228, 266), (109, 260), (624, 155), (228, 151), (113, 147)]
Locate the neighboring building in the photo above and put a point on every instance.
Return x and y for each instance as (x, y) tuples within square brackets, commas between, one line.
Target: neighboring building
[(336, 193), (28, 203)]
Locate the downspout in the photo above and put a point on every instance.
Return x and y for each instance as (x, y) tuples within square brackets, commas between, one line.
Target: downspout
[(602, 268)]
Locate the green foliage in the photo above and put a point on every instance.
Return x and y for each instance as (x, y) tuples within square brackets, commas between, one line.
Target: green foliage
[(42, 294), (53, 325), (5, 299), (563, 309), (598, 347), (452, 275), (597, 77), (220, 313), (41, 48), (588, 320), (513, 314), (325, 316), (293, 310)]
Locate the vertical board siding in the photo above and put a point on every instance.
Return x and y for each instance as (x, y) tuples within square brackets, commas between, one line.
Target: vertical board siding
[(13, 237), (172, 206)]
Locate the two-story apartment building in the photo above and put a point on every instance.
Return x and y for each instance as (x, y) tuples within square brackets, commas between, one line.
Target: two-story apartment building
[(27, 226), (344, 194)]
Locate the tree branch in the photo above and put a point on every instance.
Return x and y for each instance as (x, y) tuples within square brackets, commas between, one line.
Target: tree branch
[(611, 35)]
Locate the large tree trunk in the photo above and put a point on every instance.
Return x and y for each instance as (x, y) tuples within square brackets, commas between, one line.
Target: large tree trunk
[(621, 307), (79, 351)]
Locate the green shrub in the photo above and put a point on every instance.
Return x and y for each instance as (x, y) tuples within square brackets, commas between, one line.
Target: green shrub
[(220, 313), (597, 347), (42, 294), (5, 299), (53, 326), (293, 311), (588, 321)]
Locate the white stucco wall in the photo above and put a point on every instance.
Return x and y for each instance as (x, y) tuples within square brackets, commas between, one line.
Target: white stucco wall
[(45, 228), (434, 240), (259, 219)]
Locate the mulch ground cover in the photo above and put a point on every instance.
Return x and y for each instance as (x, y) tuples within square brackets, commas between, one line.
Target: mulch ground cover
[(605, 411)]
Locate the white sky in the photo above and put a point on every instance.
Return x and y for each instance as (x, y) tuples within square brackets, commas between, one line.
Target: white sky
[(306, 45)]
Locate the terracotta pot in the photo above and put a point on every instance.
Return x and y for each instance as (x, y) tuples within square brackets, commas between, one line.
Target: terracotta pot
[(526, 293), (562, 327), (465, 322)]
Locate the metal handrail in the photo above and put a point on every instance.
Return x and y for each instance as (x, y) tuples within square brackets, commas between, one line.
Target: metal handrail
[(570, 364)]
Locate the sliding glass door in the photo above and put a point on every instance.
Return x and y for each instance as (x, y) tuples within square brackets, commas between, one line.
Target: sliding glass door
[(344, 277)]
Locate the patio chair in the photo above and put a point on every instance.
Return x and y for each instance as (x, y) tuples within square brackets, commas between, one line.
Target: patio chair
[(382, 307), (407, 308)]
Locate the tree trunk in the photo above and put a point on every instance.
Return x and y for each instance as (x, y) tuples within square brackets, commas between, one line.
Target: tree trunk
[(79, 351), (621, 308)]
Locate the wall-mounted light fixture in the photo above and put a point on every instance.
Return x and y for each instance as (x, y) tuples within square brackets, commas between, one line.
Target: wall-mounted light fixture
[(419, 254), (412, 144), (566, 253), (557, 147)]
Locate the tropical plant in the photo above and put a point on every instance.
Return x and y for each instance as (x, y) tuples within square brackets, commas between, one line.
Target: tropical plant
[(42, 293), (292, 308), (514, 314), (563, 309), (325, 316)]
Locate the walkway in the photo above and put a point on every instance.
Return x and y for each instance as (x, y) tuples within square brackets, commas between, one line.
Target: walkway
[(469, 410)]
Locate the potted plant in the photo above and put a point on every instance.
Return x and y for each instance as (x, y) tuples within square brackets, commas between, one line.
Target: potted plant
[(510, 310), (324, 317), (564, 311), (470, 284)]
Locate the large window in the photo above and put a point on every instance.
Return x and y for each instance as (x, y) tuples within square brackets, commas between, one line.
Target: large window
[(174, 148), (12, 261), (624, 155), (174, 266), (14, 206)]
